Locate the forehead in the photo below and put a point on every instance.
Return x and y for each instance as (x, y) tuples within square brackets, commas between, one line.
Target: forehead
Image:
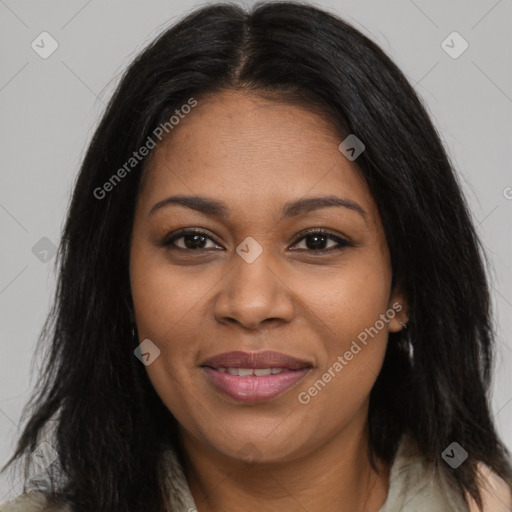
[(252, 153)]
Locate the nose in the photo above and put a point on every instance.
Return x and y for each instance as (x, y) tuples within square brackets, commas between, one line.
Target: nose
[(254, 295)]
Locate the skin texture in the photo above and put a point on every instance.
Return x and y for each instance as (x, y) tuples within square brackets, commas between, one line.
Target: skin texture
[(255, 155)]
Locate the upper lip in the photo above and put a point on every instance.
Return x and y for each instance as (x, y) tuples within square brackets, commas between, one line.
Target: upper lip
[(265, 359)]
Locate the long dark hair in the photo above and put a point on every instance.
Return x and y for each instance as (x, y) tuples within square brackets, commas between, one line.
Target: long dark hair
[(110, 425)]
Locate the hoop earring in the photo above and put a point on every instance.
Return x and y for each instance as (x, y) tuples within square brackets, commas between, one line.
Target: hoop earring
[(404, 326)]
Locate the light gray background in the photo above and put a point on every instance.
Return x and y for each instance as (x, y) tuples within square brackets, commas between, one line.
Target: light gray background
[(49, 109)]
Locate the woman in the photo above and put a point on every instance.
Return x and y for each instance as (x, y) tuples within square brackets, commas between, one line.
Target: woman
[(271, 295)]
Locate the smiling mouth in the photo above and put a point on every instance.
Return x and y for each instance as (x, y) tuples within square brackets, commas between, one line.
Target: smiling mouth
[(254, 377)]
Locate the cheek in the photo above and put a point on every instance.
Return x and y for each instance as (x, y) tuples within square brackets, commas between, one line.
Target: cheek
[(347, 299), (352, 357), (348, 308), (170, 308), (164, 303), (167, 298)]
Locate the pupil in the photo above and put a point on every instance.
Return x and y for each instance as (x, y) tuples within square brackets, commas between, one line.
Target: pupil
[(317, 245), (192, 245)]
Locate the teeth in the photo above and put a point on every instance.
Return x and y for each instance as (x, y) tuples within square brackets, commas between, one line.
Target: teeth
[(261, 372), (247, 372)]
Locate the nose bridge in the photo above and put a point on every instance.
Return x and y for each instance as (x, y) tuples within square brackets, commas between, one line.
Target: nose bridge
[(252, 291)]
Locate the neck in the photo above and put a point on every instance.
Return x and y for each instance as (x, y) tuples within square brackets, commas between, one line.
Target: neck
[(334, 476)]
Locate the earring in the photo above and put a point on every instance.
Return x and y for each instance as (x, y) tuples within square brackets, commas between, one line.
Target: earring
[(404, 326)]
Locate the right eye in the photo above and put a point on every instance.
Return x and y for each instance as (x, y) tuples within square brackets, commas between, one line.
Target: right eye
[(193, 240)]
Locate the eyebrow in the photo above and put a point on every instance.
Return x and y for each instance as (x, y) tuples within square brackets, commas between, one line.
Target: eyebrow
[(215, 208)]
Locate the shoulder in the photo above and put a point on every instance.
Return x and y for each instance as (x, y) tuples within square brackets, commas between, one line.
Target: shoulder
[(412, 485), (496, 494), (29, 502), (33, 501)]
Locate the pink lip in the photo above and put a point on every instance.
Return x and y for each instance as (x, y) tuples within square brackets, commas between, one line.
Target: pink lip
[(253, 388)]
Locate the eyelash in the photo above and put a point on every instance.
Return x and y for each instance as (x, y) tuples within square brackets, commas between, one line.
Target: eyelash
[(342, 243)]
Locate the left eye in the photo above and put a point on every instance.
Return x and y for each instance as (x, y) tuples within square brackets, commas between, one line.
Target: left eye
[(319, 239)]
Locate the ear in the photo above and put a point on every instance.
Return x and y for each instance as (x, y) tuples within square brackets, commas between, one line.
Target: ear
[(398, 311)]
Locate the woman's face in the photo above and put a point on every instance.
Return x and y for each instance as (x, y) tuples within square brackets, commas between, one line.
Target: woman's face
[(253, 282)]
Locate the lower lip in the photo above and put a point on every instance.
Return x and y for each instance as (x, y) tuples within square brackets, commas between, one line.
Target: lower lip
[(253, 388)]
